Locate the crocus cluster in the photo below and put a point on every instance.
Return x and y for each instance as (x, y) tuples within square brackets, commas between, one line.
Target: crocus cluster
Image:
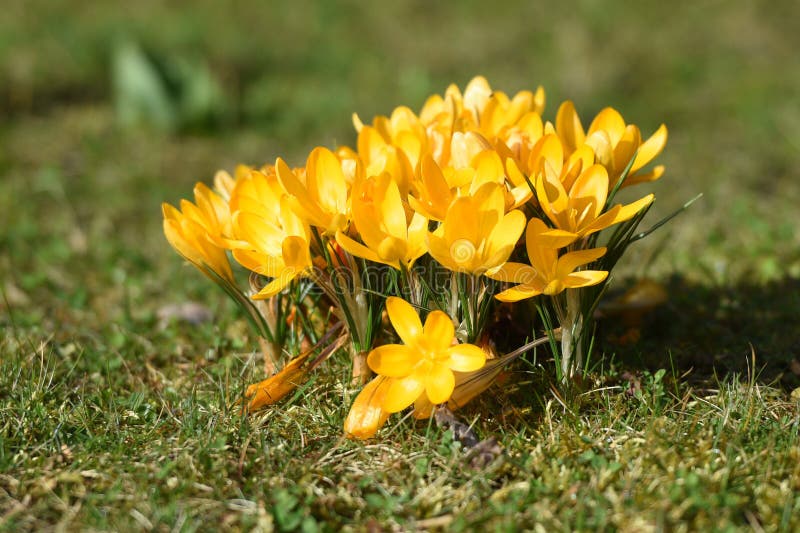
[(440, 215)]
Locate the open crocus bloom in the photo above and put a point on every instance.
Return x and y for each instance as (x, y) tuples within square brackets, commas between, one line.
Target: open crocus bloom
[(380, 218), (548, 273), (477, 234), (614, 142), (580, 211), (424, 364)]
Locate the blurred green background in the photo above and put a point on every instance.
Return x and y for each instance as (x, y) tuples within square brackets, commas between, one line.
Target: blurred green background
[(109, 109)]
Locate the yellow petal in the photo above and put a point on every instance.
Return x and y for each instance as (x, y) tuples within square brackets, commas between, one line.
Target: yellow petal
[(357, 124), (552, 197), (405, 319), (626, 148), (417, 230), (295, 253), (461, 222), (610, 121), (224, 183), (539, 100), (503, 238), (515, 175), (585, 278), (392, 212), (600, 142), (466, 357), (258, 262), (277, 285), (589, 192), (520, 292), (263, 235), (438, 331), (531, 125), (489, 200), (618, 213), (402, 392), (325, 181), (392, 360), (542, 258), (514, 273), (650, 149), (547, 155), (556, 238), (569, 127), (488, 168), (630, 210), (291, 223), (567, 263), (359, 250), (439, 384), (653, 175), (476, 94), (440, 250), (366, 415)]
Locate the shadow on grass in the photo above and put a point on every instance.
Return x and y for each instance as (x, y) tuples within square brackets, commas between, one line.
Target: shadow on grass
[(707, 332)]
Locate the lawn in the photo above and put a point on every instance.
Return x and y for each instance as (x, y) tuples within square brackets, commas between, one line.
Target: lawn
[(112, 418)]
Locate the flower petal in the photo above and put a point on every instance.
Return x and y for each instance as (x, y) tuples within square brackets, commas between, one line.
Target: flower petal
[(393, 360), (439, 384), (325, 181), (585, 278), (405, 319), (466, 357), (543, 258), (567, 263), (277, 285), (650, 148), (367, 415), (357, 249), (569, 127), (590, 190), (403, 392), (438, 331), (653, 175), (514, 272), (610, 121), (520, 292)]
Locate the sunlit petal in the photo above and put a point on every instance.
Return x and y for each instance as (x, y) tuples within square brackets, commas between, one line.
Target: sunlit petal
[(402, 392), (405, 319), (466, 357), (392, 360), (439, 384), (438, 330)]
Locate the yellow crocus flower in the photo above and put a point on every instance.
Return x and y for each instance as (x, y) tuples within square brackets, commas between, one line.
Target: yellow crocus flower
[(580, 211), (380, 218), (477, 234), (614, 142), (274, 246), (320, 196), (547, 273), (425, 362), (196, 231), (258, 191)]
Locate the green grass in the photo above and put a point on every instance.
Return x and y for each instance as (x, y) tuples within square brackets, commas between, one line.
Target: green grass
[(110, 420)]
